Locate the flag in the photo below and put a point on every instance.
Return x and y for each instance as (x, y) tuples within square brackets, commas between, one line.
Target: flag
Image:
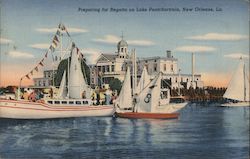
[(40, 63), (28, 76), (36, 68)]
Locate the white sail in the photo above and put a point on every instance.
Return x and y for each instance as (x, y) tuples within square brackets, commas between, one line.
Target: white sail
[(238, 88), (62, 93), (77, 84), (125, 97), (149, 97), (144, 80)]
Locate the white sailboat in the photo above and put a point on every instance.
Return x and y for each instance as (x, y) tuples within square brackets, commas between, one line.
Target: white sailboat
[(238, 89), (148, 101), (69, 103)]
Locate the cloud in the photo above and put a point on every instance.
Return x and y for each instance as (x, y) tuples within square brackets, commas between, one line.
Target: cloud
[(42, 46), (108, 39), (237, 56), (141, 42), (91, 54), (195, 49), (70, 30), (112, 39), (19, 54), (218, 36), (5, 41)]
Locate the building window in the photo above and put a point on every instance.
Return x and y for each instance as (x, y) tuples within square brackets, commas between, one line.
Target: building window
[(125, 49), (103, 68), (172, 67), (165, 67), (197, 79), (146, 61), (99, 68), (71, 102), (112, 68), (176, 80), (122, 49), (108, 68), (78, 102), (181, 79), (92, 80), (155, 67)]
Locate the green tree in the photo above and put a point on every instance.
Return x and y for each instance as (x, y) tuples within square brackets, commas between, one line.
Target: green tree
[(115, 84), (64, 66)]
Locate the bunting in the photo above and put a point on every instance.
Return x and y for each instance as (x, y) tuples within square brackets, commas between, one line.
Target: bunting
[(53, 46)]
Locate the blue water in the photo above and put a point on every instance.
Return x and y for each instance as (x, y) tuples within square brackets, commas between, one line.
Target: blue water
[(200, 132)]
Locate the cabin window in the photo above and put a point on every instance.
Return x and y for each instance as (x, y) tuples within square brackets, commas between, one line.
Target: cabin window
[(71, 102), (57, 102), (50, 102), (78, 102), (85, 102), (64, 102)]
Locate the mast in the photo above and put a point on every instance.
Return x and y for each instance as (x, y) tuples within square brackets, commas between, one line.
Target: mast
[(179, 91), (134, 64), (244, 80)]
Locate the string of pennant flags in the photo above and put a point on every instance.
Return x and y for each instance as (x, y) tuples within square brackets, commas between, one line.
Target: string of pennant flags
[(52, 47)]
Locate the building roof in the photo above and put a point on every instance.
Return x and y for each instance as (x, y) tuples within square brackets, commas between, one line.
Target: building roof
[(122, 43), (109, 57), (158, 57)]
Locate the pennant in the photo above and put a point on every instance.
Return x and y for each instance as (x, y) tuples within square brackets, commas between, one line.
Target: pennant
[(58, 33), (40, 63), (46, 55), (67, 32), (54, 43), (36, 68), (56, 39), (52, 48), (28, 76)]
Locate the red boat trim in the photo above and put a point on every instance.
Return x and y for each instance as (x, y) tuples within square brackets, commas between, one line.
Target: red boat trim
[(148, 115)]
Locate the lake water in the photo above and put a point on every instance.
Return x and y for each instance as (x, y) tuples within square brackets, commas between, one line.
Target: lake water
[(200, 132)]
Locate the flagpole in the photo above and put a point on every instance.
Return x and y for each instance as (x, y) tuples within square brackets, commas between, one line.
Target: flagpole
[(18, 90)]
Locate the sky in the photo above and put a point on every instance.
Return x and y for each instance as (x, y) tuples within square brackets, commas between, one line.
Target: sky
[(218, 37)]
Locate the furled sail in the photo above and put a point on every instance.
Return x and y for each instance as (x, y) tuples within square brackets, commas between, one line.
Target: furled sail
[(77, 84), (125, 97), (149, 97), (144, 80), (62, 93), (238, 88)]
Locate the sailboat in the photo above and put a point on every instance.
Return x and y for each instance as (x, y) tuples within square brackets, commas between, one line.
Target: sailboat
[(149, 101), (69, 102), (238, 89)]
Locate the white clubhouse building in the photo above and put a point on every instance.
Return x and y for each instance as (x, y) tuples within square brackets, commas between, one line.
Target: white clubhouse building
[(113, 65)]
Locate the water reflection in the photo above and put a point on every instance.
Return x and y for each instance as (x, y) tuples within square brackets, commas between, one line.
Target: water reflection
[(200, 132)]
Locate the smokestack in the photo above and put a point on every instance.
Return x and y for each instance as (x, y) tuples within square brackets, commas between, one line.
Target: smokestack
[(193, 65), (169, 55)]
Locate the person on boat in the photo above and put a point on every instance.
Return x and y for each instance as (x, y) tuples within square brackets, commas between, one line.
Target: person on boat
[(84, 95), (97, 97), (26, 95), (108, 93), (32, 96), (51, 93)]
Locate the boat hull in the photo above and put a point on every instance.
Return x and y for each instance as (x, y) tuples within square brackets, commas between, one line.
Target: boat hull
[(239, 104), (147, 115), (32, 110)]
